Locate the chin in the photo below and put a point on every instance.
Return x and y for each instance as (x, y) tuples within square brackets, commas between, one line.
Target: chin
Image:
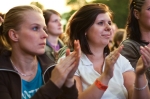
[(41, 52)]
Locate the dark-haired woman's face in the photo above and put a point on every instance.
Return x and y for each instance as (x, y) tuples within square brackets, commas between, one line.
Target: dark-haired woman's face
[(100, 32), (144, 16)]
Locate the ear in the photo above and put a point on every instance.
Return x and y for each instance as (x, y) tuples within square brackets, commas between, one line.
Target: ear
[(136, 13), (13, 35)]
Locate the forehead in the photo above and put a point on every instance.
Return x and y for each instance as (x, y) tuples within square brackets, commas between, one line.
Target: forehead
[(55, 16), (103, 16), (33, 17), (146, 4)]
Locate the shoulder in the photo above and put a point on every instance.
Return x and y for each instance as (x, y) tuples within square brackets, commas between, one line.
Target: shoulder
[(123, 64), (130, 43), (131, 47)]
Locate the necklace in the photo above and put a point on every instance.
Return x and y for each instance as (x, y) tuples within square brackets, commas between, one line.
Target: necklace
[(19, 71)]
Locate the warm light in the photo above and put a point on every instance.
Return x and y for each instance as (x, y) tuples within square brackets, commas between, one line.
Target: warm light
[(58, 5)]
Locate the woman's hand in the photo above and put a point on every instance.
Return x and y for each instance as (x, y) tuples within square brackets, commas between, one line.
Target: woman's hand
[(144, 61), (66, 68), (70, 80), (110, 61)]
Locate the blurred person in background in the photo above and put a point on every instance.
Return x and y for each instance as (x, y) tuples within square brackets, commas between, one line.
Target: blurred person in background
[(55, 47), (114, 29), (118, 37)]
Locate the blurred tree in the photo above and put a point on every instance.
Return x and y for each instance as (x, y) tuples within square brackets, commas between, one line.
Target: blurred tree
[(37, 4), (119, 8), (74, 5)]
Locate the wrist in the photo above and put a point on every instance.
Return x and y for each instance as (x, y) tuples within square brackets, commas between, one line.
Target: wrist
[(140, 76), (100, 85), (105, 77), (69, 82)]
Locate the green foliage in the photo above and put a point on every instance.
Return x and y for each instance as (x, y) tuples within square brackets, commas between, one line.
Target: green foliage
[(119, 8), (38, 5)]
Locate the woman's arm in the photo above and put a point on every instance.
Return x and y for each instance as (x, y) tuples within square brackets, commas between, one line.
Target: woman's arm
[(94, 91), (141, 89), (129, 78)]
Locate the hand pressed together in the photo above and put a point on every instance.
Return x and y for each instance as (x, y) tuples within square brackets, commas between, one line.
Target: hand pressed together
[(110, 61), (144, 61), (64, 71)]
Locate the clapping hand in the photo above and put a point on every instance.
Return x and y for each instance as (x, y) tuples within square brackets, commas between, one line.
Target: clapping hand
[(65, 69), (144, 61), (111, 60)]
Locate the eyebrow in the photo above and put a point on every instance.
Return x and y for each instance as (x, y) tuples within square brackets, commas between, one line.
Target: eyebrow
[(37, 24)]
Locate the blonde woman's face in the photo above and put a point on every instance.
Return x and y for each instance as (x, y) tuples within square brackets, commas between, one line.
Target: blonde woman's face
[(31, 35)]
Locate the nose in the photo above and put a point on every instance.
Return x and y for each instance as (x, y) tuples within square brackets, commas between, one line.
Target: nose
[(59, 23), (44, 34), (108, 27)]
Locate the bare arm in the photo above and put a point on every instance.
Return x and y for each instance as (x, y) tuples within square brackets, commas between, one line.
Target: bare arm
[(129, 78), (93, 92), (141, 82)]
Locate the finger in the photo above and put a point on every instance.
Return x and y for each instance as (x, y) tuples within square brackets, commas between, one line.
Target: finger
[(67, 71), (144, 62), (67, 52), (78, 49), (67, 61), (147, 49), (117, 51), (145, 53)]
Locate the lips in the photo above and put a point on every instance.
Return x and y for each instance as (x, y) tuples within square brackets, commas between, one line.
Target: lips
[(106, 36), (42, 44)]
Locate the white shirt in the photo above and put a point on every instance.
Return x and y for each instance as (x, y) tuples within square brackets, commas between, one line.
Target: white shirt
[(116, 88)]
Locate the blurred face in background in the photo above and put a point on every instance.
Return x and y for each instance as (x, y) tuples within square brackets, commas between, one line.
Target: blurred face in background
[(54, 26)]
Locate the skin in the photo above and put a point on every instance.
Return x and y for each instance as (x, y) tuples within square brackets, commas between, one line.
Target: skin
[(143, 63), (29, 41), (54, 29), (54, 26), (98, 36), (143, 18)]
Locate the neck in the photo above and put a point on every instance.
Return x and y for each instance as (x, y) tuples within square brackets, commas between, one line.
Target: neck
[(53, 40), (145, 33), (24, 64)]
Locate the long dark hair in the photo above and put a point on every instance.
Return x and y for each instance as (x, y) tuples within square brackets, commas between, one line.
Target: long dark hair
[(133, 30), (79, 23)]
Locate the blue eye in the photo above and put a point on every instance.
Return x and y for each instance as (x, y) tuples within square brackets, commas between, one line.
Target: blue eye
[(35, 28)]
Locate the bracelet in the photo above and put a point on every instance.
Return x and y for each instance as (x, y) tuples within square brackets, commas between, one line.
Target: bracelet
[(142, 87), (100, 85)]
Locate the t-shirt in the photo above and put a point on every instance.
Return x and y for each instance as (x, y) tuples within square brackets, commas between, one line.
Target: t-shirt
[(31, 87), (116, 88)]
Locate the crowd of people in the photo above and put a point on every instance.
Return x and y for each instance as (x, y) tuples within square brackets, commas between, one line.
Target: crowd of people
[(36, 64)]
